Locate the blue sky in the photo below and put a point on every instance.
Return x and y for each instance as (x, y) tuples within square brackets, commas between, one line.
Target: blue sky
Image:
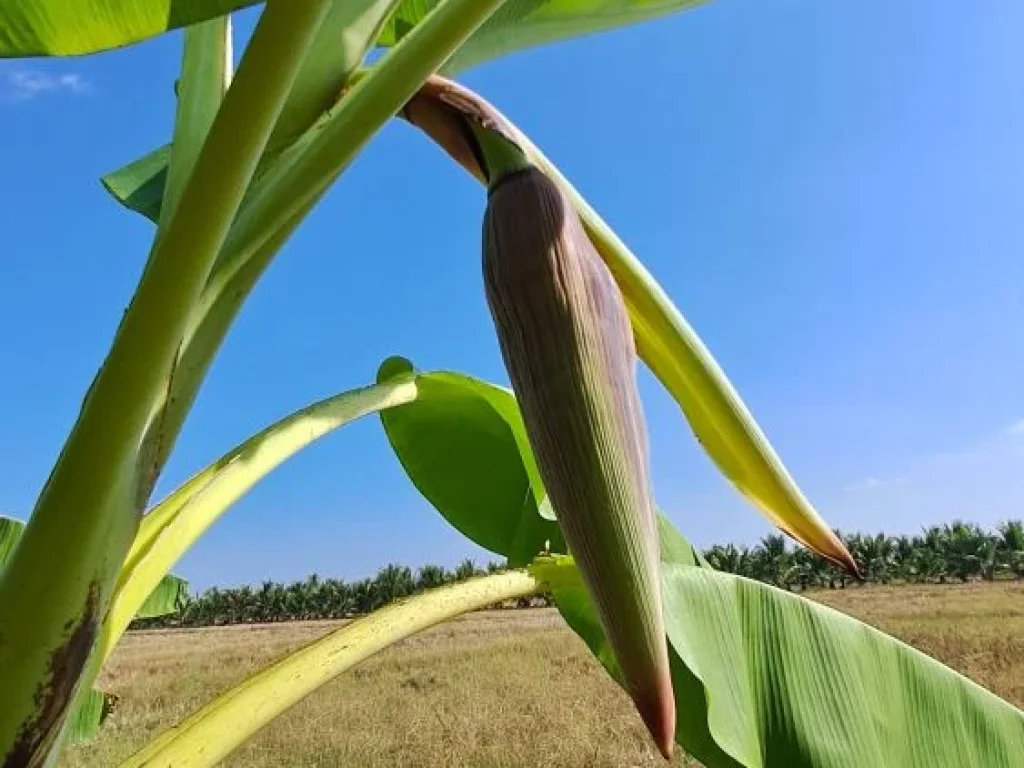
[(831, 192)]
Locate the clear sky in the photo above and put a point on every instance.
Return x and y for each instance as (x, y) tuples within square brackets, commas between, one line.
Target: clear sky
[(833, 193)]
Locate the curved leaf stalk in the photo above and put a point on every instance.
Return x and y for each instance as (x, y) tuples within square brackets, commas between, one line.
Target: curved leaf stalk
[(292, 183), (59, 581), (174, 525), (221, 726), (665, 341)]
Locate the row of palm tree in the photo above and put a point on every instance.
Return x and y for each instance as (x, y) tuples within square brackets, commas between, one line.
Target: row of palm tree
[(315, 598), (957, 552)]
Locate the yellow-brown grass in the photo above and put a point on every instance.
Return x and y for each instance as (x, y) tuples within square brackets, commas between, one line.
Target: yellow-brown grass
[(495, 689)]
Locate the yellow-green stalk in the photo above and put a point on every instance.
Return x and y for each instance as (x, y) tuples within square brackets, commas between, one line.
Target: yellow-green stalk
[(568, 346)]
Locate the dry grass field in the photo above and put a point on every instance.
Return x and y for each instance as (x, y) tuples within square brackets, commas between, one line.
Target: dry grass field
[(498, 689)]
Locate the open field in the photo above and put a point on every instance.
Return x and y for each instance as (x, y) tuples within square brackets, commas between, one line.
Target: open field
[(501, 688)]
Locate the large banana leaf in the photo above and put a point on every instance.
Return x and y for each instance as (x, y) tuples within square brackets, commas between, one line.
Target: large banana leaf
[(766, 679), (462, 442), (71, 27), (523, 24)]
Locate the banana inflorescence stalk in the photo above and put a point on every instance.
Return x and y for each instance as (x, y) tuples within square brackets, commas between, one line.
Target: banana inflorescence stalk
[(568, 347)]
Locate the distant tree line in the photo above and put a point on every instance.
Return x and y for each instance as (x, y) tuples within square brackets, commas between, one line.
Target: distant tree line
[(315, 598), (955, 553)]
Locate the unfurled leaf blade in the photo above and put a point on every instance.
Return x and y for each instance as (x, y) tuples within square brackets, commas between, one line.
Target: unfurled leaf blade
[(764, 678), (72, 27), (462, 444), (802, 685)]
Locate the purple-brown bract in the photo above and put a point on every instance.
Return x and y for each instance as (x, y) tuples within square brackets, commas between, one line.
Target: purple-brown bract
[(568, 347)]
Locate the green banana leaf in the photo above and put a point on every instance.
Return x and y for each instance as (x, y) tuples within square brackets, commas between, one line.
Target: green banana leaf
[(812, 687), (766, 679), (139, 186), (523, 24), (168, 597), (85, 721), (74, 27), (462, 443)]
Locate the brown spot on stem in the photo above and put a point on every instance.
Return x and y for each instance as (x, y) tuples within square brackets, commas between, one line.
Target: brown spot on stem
[(54, 694)]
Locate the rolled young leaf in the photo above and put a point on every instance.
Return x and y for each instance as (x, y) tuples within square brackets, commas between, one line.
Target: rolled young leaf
[(567, 344)]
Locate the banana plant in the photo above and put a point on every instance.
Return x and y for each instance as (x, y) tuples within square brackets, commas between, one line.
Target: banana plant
[(568, 500)]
